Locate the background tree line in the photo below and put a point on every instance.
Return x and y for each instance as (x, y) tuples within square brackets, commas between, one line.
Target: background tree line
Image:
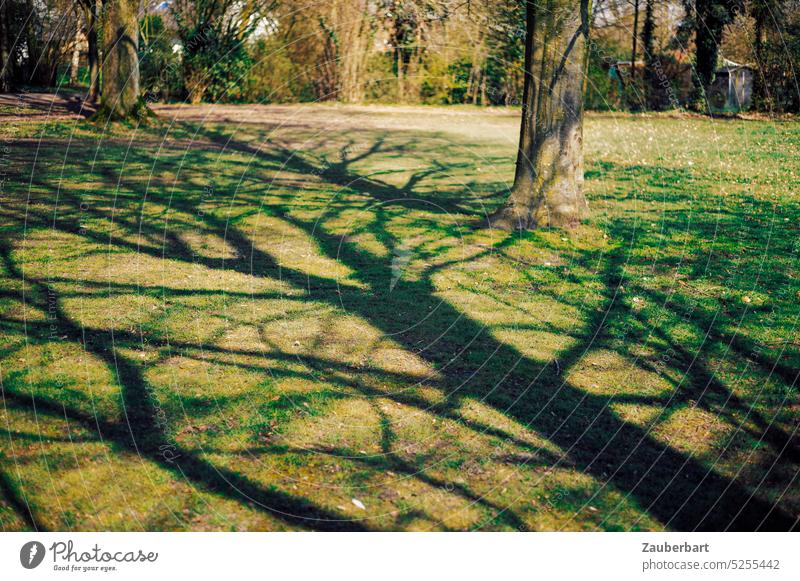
[(644, 54)]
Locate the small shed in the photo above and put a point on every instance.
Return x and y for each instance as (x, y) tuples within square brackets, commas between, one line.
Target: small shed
[(732, 89)]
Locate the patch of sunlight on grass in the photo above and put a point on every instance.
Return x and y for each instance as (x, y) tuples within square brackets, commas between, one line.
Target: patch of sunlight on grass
[(98, 487), (538, 345), (208, 245), (187, 377), (40, 255), (604, 372), (641, 415), (484, 415), (58, 371), (294, 249), (121, 312), (400, 361), (692, 430), (351, 423)]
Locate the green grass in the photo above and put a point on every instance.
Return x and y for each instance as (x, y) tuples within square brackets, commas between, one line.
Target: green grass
[(221, 326)]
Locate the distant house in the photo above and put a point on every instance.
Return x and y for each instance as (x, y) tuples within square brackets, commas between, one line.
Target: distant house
[(732, 90), (624, 67)]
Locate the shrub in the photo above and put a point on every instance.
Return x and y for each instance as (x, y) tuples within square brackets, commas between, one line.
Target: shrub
[(159, 65)]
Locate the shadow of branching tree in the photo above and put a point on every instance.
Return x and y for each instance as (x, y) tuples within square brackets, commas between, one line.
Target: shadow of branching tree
[(379, 230)]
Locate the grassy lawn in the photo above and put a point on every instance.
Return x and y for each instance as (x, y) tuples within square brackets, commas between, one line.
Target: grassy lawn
[(287, 318)]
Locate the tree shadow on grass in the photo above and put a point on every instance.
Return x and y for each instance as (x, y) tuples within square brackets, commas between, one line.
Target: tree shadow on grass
[(142, 434), (672, 486), (19, 503)]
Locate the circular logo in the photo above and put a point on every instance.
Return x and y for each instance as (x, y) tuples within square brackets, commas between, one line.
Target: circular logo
[(31, 554)]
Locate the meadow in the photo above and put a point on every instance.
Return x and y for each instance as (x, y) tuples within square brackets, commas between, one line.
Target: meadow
[(292, 318)]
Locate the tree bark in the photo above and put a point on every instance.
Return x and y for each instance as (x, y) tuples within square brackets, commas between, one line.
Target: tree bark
[(760, 12), (709, 23), (91, 13), (121, 64), (75, 62), (635, 38), (5, 65), (648, 46), (706, 58), (548, 185)]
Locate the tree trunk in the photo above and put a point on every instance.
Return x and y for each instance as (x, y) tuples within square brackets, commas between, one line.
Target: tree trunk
[(759, 36), (634, 41), (648, 46), (121, 64), (648, 31), (75, 62), (548, 185), (760, 92), (5, 65), (401, 90), (328, 77), (352, 24), (91, 13), (708, 33)]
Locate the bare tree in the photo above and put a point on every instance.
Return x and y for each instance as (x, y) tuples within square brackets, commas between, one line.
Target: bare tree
[(348, 32), (409, 23)]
